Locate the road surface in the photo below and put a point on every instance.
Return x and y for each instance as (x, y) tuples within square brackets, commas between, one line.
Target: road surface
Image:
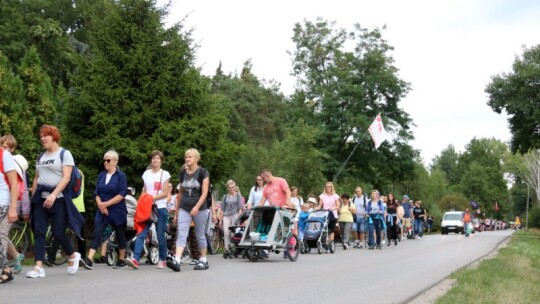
[(394, 274)]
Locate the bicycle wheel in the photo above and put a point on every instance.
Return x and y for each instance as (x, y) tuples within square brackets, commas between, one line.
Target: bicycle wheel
[(20, 236), (214, 240)]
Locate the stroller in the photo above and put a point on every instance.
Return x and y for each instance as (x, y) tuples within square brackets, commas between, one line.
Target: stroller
[(316, 233), (236, 236), (269, 228)]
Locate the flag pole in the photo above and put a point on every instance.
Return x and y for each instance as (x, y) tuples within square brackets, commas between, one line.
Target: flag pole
[(359, 141)]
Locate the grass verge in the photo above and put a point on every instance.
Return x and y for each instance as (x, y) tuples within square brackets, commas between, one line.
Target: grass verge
[(513, 276)]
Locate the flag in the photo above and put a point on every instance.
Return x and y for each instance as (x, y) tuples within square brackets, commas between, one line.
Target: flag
[(496, 207), (474, 204), (377, 132)]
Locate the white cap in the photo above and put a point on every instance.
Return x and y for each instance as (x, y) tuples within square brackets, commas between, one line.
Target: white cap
[(22, 164)]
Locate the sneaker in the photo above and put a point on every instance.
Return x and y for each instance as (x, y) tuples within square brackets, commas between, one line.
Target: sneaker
[(17, 263), (86, 263), (263, 254), (360, 246), (173, 264), (100, 260), (379, 247), (345, 246), (161, 265), (73, 269), (201, 266), (285, 255), (193, 262), (327, 250), (371, 247), (356, 245), (120, 264), (132, 263), (38, 272)]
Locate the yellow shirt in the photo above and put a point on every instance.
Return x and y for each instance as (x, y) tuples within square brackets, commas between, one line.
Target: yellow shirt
[(345, 215), (79, 201)]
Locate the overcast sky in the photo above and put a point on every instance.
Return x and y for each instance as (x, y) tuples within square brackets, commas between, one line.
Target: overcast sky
[(446, 49)]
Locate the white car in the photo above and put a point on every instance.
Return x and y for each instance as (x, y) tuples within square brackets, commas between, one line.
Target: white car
[(451, 222)]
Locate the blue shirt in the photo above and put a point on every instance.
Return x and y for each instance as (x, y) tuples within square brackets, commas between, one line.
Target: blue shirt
[(407, 209), (117, 186), (302, 220)]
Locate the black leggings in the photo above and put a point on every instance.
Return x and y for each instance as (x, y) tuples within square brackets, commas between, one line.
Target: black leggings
[(120, 231)]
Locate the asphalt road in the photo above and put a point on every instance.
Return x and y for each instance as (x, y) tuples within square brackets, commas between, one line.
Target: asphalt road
[(392, 275)]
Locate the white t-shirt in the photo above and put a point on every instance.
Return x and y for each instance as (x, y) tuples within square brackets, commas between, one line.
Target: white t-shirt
[(50, 169), (9, 165), (153, 186)]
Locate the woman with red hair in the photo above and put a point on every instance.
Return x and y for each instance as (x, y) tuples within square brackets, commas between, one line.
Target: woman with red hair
[(51, 203)]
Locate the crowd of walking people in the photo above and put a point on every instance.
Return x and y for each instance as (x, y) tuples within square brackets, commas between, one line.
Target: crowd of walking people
[(362, 220)]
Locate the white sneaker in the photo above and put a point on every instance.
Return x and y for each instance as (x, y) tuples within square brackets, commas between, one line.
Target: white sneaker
[(38, 272), (73, 269)]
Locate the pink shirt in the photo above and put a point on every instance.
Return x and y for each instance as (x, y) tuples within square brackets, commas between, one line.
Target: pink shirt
[(275, 192), (329, 202)]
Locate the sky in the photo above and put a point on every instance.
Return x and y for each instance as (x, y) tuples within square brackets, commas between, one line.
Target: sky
[(447, 50)]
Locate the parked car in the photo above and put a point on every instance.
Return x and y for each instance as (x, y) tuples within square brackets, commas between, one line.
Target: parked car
[(451, 222)]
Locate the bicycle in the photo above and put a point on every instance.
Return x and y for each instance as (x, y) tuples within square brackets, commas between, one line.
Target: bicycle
[(22, 238), (214, 238)]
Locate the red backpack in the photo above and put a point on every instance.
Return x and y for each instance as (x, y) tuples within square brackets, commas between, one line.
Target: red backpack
[(19, 179)]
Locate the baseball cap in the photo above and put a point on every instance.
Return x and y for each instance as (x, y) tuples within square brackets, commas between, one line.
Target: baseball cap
[(405, 196)]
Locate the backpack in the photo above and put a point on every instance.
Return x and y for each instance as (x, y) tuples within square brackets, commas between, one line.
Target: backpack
[(20, 182), (73, 188)]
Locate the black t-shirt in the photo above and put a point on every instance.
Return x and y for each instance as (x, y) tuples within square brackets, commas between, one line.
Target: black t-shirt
[(417, 211), (192, 188)]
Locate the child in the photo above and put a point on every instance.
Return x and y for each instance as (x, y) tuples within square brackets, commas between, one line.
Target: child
[(345, 219), (312, 202), (302, 221)]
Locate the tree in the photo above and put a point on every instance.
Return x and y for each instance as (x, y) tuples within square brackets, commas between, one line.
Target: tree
[(454, 202), (136, 90), (297, 158), (482, 172), (255, 109), (341, 91), (518, 93), (448, 163), (531, 174)]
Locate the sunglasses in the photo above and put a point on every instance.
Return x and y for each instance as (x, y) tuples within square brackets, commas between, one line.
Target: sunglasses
[(107, 160)]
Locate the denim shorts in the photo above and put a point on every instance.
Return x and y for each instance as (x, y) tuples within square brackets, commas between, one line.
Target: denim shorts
[(361, 225)]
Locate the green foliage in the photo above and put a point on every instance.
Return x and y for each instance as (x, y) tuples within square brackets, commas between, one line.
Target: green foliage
[(453, 202), (26, 102), (43, 24), (341, 91), (297, 158), (136, 90), (518, 94), (482, 174), (256, 112), (448, 162)]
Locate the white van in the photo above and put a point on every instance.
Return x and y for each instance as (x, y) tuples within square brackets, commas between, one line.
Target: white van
[(451, 222)]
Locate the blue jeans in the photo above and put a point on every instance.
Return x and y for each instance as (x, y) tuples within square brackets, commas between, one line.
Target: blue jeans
[(40, 221), (163, 215), (374, 226), (419, 227)]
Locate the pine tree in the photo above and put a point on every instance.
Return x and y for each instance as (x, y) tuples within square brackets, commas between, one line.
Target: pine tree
[(136, 90)]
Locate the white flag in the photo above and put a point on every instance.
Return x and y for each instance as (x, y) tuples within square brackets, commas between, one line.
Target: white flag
[(378, 134)]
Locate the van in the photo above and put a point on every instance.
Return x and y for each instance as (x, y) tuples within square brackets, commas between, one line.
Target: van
[(451, 222)]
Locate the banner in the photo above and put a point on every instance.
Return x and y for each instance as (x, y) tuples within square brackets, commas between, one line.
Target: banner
[(377, 132)]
